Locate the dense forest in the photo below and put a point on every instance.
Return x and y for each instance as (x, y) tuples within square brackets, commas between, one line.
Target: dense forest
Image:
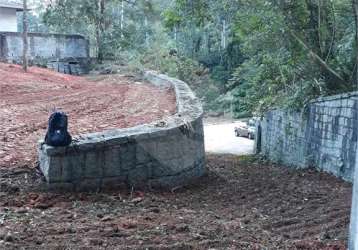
[(240, 56)]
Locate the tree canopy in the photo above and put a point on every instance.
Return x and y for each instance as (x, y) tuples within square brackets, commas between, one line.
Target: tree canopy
[(253, 55)]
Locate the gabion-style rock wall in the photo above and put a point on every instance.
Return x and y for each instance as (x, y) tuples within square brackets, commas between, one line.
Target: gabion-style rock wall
[(165, 153)]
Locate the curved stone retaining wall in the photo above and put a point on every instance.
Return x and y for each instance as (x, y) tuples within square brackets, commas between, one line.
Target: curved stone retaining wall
[(166, 153)]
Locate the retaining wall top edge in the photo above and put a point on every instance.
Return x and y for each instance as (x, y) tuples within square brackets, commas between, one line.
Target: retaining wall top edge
[(335, 97), (318, 100), (34, 34), (186, 99), (189, 111)]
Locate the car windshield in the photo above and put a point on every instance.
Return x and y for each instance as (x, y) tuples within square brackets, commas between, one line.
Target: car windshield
[(251, 123)]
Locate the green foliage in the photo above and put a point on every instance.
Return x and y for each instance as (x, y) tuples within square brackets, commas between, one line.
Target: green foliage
[(278, 70), (171, 19), (243, 55), (35, 23)]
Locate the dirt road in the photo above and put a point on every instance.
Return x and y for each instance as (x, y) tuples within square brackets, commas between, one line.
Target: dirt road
[(220, 139)]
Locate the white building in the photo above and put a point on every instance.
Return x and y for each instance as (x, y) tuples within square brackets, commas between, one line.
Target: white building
[(8, 17)]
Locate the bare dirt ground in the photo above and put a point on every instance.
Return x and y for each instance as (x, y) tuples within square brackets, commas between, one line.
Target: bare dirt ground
[(242, 203), (93, 104)]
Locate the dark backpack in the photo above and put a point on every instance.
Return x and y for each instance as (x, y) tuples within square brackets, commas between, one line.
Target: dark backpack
[(57, 134)]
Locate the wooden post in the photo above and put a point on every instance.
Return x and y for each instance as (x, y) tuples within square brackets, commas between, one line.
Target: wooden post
[(353, 235)]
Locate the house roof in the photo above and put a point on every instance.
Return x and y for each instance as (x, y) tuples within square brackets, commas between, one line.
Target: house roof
[(12, 4)]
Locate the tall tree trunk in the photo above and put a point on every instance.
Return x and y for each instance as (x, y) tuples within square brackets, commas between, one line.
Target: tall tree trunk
[(122, 18), (355, 9), (319, 26), (331, 25), (98, 43), (176, 36), (314, 25), (223, 35), (146, 31), (100, 31), (24, 37)]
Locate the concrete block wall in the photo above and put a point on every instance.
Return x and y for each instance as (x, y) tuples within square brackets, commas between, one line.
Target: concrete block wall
[(283, 137), (165, 153), (43, 46), (332, 129), (323, 136), (58, 52)]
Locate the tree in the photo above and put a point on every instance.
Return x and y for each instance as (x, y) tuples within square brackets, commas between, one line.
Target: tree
[(264, 54), (24, 37), (122, 19), (86, 17), (102, 22), (101, 29)]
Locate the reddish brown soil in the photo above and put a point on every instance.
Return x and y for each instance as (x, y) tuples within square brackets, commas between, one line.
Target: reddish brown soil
[(241, 204), (96, 104)]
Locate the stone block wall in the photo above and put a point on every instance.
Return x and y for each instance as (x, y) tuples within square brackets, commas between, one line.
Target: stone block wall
[(323, 136), (283, 137), (165, 153)]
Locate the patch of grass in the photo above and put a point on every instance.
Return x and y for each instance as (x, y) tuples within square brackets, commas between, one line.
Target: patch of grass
[(247, 159)]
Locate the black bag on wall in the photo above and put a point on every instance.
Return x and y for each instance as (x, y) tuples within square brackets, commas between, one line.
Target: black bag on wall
[(57, 134)]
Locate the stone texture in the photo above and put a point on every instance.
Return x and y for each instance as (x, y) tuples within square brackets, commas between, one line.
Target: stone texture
[(163, 156), (323, 136)]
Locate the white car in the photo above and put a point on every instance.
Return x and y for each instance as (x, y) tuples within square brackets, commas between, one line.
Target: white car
[(248, 130)]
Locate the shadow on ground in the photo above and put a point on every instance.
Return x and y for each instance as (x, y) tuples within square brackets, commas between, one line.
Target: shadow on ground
[(241, 204)]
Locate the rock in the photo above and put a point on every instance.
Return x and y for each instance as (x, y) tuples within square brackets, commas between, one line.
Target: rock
[(326, 236), (71, 230), (155, 210), (22, 211), (113, 232), (4, 187), (95, 242), (215, 114), (2, 235), (42, 206), (38, 242), (129, 224), (182, 228), (106, 71), (106, 218), (137, 200), (9, 238)]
